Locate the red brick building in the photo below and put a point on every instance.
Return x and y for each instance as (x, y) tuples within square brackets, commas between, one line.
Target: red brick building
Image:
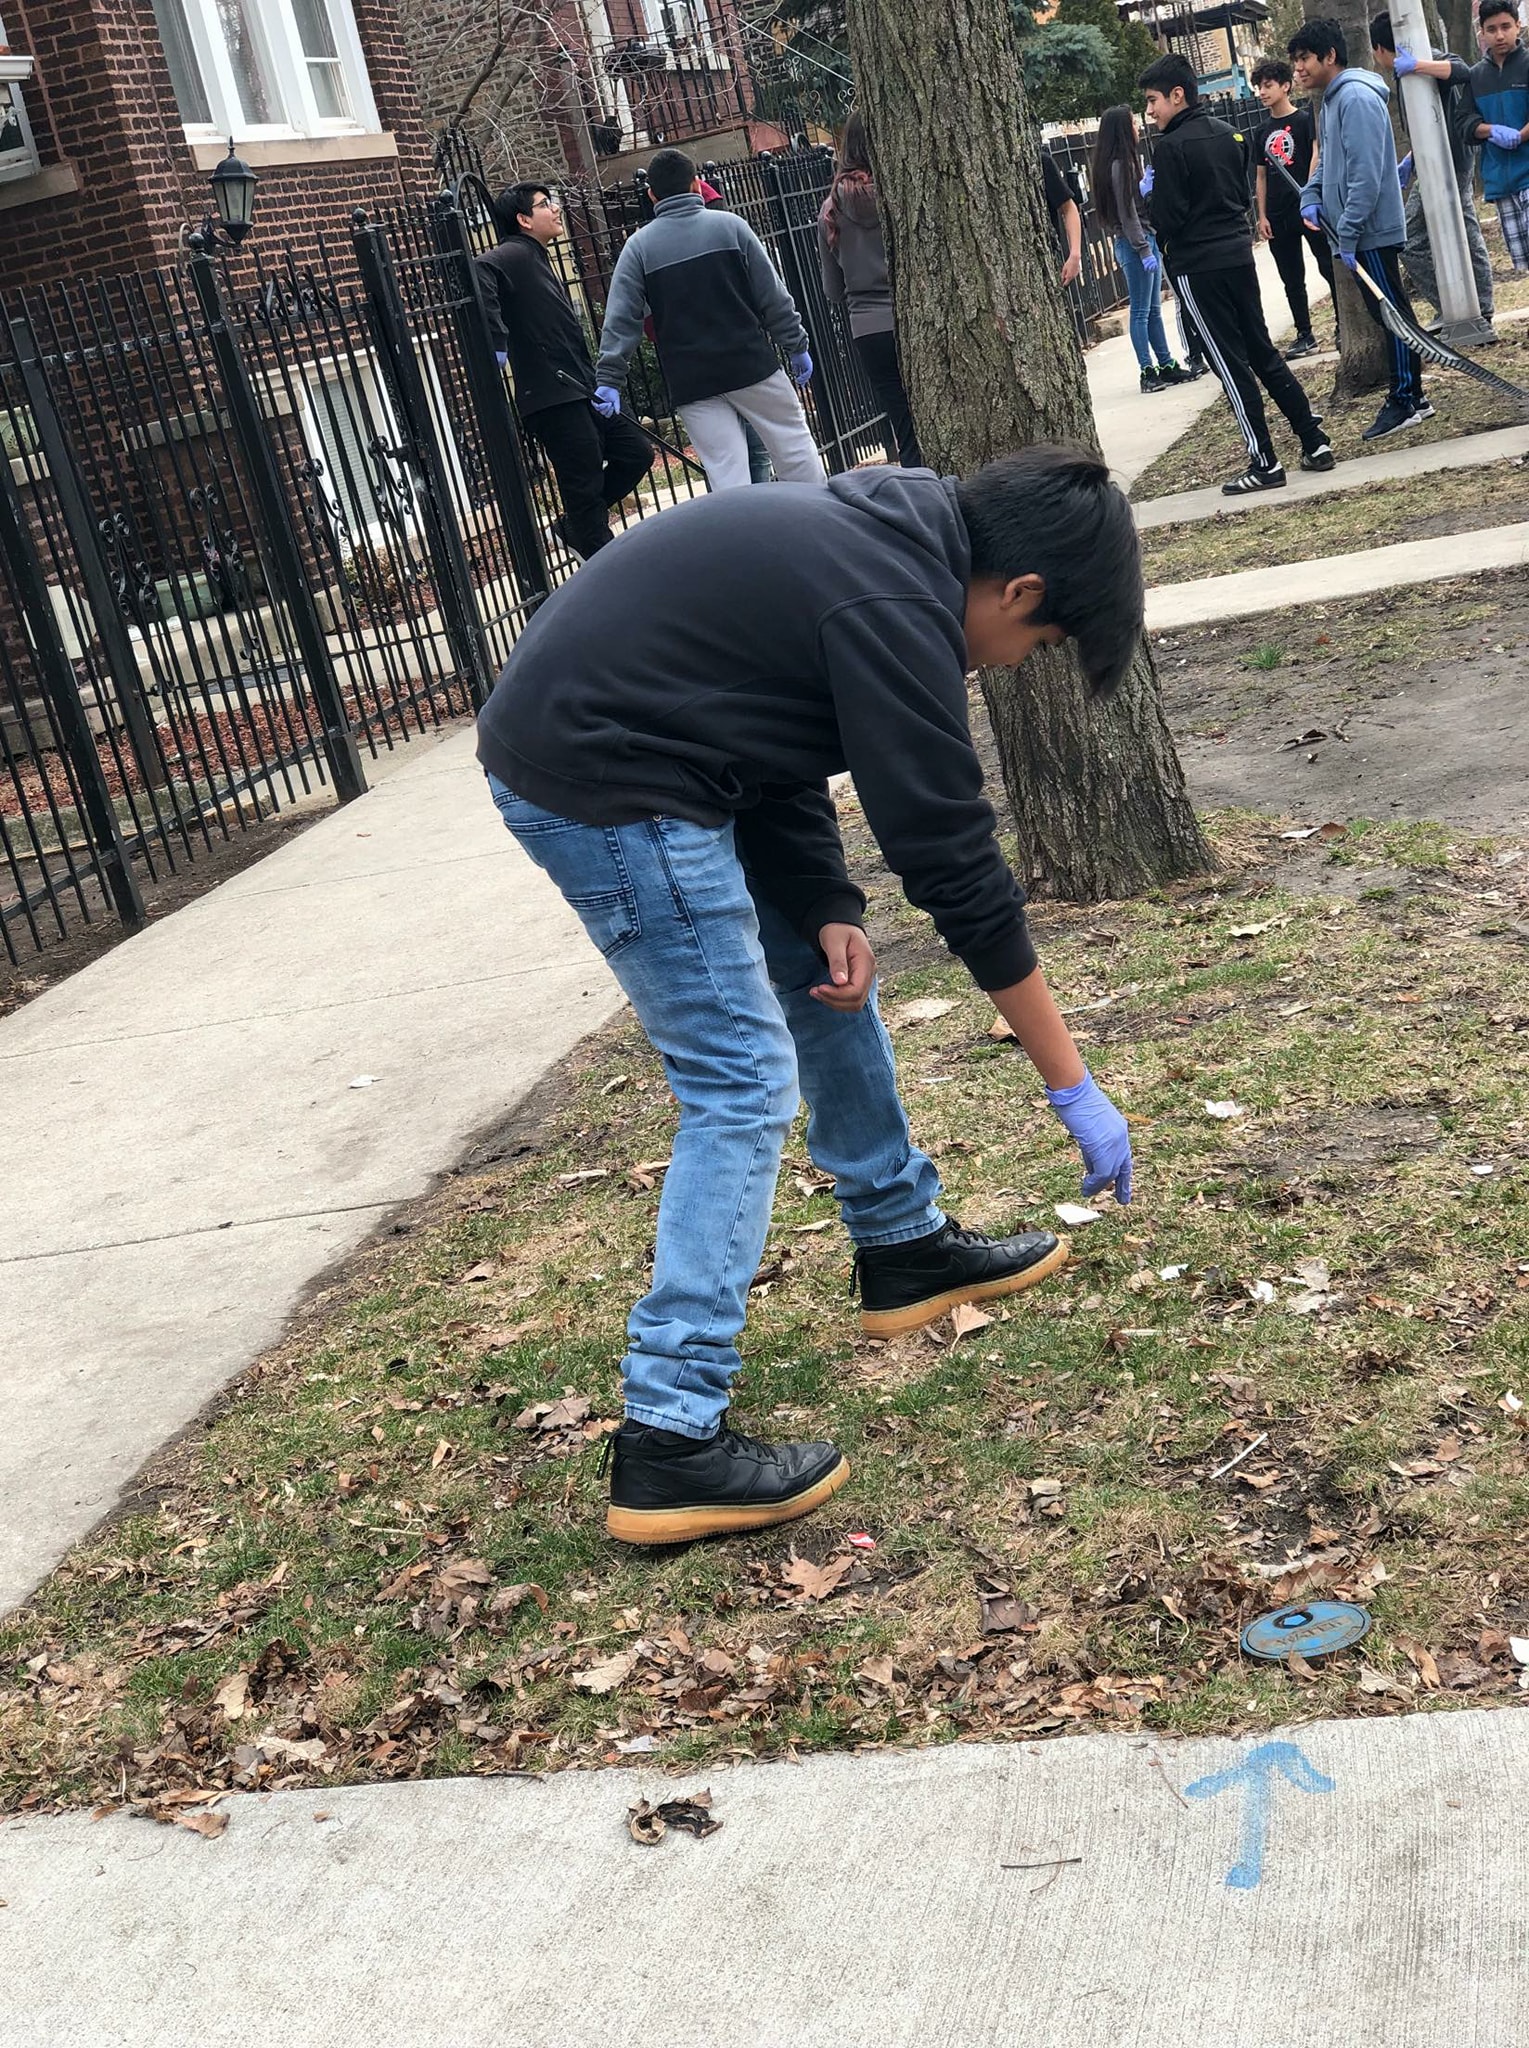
[(588, 87), (106, 147)]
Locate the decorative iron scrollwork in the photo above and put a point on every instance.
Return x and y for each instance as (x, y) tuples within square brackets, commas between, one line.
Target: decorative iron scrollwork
[(222, 556), (132, 578)]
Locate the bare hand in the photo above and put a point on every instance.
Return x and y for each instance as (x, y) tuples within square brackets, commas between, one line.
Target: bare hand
[(851, 968), (1072, 269), (1265, 231)]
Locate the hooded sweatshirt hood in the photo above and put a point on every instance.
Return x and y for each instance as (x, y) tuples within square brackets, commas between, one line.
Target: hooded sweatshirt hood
[(720, 662)]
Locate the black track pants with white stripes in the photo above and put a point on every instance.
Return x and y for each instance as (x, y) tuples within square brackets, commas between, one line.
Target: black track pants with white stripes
[(1226, 307)]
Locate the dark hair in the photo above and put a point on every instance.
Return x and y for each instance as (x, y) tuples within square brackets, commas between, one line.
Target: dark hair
[(854, 150), (1319, 38), (1496, 7), (1116, 144), (1273, 71), (670, 173), (1164, 73), (516, 200), (1053, 512), (1382, 35)]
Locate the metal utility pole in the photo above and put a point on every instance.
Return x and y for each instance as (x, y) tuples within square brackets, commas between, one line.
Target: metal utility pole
[(1433, 166)]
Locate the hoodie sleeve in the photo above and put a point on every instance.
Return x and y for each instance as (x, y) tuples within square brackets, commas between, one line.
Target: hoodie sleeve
[(494, 288), (829, 264), (1125, 208), (773, 303), (1363, 131), (1468, 115), (790, 849), (897, 670), (625, 304), (1170, 194)]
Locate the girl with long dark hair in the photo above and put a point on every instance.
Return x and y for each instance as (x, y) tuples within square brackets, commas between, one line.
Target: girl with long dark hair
[(1116, 177), (852, 253)]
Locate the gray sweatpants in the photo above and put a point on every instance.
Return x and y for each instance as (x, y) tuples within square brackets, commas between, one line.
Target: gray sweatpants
[(773, 410), (1417, 256)]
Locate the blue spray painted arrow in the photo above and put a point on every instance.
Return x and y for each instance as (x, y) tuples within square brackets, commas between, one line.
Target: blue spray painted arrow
[(1255, 1776)]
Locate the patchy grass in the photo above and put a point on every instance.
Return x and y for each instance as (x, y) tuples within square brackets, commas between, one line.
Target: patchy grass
[(1403, 508), (1212, 449), (383, 1554)]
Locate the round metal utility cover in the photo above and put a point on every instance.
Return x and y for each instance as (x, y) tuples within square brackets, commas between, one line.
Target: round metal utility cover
[(1311, 1628)]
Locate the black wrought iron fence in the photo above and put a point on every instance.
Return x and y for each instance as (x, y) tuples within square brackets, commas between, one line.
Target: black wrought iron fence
[(253, 526)]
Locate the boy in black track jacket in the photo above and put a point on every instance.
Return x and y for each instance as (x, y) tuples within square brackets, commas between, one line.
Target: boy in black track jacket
[(1200, 211), (660, 744), (537, 334)]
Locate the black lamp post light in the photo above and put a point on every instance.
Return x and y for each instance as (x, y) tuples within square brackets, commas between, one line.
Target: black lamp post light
[(233, 194)]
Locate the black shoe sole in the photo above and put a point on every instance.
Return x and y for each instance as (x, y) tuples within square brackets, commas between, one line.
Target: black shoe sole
[(687, 1524), (897, 1322)]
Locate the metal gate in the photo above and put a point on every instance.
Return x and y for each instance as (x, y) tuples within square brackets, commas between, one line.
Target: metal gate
[(253, 528)]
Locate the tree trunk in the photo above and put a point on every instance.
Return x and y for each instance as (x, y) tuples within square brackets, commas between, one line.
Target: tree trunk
[(992, 363), (1363, 356)]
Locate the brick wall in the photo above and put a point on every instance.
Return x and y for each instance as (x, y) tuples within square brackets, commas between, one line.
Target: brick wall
[(118, 125)]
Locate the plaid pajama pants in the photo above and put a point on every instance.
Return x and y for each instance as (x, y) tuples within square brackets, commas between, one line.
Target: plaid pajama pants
[(1513, 213)]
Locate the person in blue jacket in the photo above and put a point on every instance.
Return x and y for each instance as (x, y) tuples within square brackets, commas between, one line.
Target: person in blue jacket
[(1356, 186), (1494, 115)]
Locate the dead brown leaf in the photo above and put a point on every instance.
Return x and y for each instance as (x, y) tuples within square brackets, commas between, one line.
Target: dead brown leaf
[(233, 1695), (607, 1675), (461, 1576), (209, 1824), (647, 1823), (815, 1581), (965, 1320), (508, 1598)]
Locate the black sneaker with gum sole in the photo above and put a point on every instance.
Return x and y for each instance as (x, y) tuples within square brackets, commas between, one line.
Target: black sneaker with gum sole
[(904, 1286), (667, 1488)]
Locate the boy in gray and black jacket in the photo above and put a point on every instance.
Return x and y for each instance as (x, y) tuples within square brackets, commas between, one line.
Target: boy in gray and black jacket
[(720, 312)]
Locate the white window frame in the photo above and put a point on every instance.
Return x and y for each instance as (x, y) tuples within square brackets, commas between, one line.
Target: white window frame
[(22, 161), (274, 25)]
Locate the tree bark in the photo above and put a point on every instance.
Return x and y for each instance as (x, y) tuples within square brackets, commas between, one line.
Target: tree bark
[(991, 363), (1363, 356)]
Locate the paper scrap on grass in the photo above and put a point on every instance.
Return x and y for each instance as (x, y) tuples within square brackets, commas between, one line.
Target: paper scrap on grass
[(1261, 1291), (924, 1010), (1075, 1215), (1223, 1112)]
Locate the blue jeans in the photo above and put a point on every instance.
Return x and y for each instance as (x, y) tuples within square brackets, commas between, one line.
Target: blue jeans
[(719, 979), (1145, 287)]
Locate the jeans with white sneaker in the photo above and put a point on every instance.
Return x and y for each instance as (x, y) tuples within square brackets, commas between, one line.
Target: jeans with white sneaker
[(719, 980)]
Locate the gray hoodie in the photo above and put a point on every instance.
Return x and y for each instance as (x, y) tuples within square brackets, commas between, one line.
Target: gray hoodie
[(855, 273), (1355, 181)]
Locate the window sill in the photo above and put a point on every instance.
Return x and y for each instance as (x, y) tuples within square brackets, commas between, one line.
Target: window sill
[(302, 149), (51, 183)]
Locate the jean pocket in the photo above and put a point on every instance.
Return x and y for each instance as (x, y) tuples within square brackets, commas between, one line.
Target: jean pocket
[(587, 864)]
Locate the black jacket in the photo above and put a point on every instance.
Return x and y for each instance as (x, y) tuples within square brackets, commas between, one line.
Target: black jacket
[(726, 658), (532, 320), (1200, 194)]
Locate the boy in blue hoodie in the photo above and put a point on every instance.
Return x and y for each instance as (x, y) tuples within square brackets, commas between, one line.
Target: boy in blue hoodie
[(1494, 116), (1356, 186)]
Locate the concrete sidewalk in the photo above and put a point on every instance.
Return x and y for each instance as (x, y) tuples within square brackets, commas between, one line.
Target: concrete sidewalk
[(1379, 1880), (1250, 591), (186, 1151), (1468, 451)]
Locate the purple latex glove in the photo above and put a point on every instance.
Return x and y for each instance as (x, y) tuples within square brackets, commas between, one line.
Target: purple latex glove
[(1149, 261), (801, 369), (1101, 1135), (1404, 170), (1312, 218), (1406, 63), (1505, 138), (606, 401), (1350, 260), (1148, 179), (501, 358)]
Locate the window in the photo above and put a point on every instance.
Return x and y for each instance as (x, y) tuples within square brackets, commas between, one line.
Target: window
[(263, 69), (18, 152)]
